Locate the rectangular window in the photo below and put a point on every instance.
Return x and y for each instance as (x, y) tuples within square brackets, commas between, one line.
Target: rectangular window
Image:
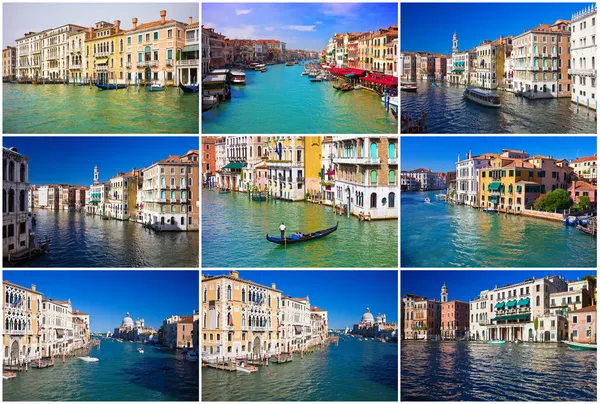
[(169, 54), (156, 36), (170, 33), (128, 40), (147, 37), (140, 38)]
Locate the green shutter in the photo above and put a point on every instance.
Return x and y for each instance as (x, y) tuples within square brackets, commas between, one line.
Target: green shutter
[(170, 54), (139, 38), (155, 35)]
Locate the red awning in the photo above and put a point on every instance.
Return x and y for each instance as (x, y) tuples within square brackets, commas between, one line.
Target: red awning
[(344, 71), (388, 81), (332, 172)]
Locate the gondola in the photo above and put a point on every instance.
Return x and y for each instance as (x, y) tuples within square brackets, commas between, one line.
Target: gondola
[(305, 237), (111, 86), (188, 89)]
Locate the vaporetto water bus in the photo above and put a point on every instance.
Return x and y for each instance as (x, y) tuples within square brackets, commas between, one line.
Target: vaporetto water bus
[(483, 97)]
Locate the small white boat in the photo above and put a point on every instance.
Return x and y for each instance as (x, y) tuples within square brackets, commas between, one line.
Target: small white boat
[(395, 101), (191, 356), (88, 359), (581, 346), (238, 77), (482, 97), (260, 67), (427, 200), (156, 87), (245, 368), (497, 341), (140, 350)]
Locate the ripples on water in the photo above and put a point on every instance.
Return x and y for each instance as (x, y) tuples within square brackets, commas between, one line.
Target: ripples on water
[(234, 230), (75, 109), (354, 371), (448, 112), (80, 240), (122, 374), (469, 371), (442, 235), (283, 101)]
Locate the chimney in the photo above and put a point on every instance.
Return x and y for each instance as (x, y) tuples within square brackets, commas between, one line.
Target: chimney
[(235, 274), (163, 15), (134, 22), (90, 30), (118, 25), (191, 20), (33, 287), (273, 286)]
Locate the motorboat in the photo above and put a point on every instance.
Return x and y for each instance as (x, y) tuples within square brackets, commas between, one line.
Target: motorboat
[(156, 87), (427, 200), (191, 356), (304, 73), (8, 375), (140, 350), (581, 346), (209, 102), (238, 77), (570, 221), (486, 210), (260, 67), (88, 359), (497, 341), (411, 88), (289, 64), (395, 101), (245, 368), (482, 97)]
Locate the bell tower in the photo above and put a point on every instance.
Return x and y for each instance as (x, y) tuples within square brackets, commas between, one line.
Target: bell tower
[(455, 43), (96, 175), (444, 293)]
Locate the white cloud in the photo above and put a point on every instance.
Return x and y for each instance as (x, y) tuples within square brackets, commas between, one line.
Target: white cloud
[(319, 22), (209, 24), (242, 12), (340, 9), (269, 29), (241, 32), (304, 28)]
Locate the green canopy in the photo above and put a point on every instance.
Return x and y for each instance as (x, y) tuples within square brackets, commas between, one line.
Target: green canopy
[(512, 317), (511, 304), (523, 302), (235, 165), (190, 48), (499, 305), (494, 186)]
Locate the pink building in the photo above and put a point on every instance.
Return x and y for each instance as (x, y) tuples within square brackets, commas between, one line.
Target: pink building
[(455, 320), (581, 188), (440, 65), (582, 325), (421, 318)]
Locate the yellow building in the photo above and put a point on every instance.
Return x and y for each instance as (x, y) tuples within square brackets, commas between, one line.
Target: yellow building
[(104, 53), (239, 317), (509, 185), (21, 313), (76, 60), (294, 165)]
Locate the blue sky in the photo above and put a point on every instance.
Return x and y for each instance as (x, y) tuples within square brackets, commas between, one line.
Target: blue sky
[(25, 17), (306, 26), (108, 295), (466, 285), (428, 27), (344, 294), (71, 160), (441, 153)]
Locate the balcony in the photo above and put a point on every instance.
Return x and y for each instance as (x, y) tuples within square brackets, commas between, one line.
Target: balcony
[(101, 54), (169, 62), (357, 160), (52, 57), (259, 329), (128, 65), (152, 63), (15, 332), (189, 62), (102, 68), (76, 49), (583, 72), (545, 55), (494, 193), (389, 56), (75, 66), (393, 161), (161, 200)]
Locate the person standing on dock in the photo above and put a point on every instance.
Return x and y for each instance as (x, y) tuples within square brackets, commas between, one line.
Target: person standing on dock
[(282, 228)]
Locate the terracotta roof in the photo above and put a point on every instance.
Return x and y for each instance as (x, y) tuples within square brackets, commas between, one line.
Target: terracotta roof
[(314, 308), (79, 313), (584, 309), (152, 25), (487, 156), (186, 320), (587, 158), (586, 186), (519, 163)]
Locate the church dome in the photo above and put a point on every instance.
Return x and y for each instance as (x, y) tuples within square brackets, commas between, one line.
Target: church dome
[(367, 317), (127, 321), (378, 319)]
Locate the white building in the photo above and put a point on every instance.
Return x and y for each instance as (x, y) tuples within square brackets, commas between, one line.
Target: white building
[(408, 183), (586, 168), (55, 51), (16, 224), (583, 57), (467, 177), (57, 327), (480, 313), (29, 56), (220, 159), (188, 67), (295, 330), (425, 179)]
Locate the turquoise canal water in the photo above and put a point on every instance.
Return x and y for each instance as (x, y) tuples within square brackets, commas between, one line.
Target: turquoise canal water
[(234, 230), (75, 109), (81, 240), (122, 374), (354, 371), (440, 235), (283, 101), (469, 371)]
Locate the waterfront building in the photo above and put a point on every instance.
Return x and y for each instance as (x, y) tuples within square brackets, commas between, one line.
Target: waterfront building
[(330, 58), (319, 325), (582, 325), (294, 166), (171, 193), (205, 50), (208, 160), (424, 180), (365, 51), (467, 176), (242, 154), (480, 311), (408, 66), (353, 51), (48, 197), (579, 294), (422, 317), (408, 183), (178, 331), (584, 51), (125, 328), (16, 224), (295, 326), (490, 64), (220, 158), (449, 65), (188, 65), (66, 197), (239, 317), (454, 322), (381, 62), (83, 326), (582, 188), (375, 327), (255, 163), (55, 51), (509, 72), (57, 327), (104, 52), (29, 56), (463, 64), (276, 50), (366, 171), (423, 65), (33, 198), (541, 61), (80, 197), (327, 170), (21, 319), (391, 57), (9, 63), (122, 195), (76, 57), (155, 46), (585, 168)]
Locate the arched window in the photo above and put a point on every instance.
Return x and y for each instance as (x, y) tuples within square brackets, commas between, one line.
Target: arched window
[(204, 321), (392, 150), (392, 199), (172, 220), (259, 152), (373, 200), (11, 200), (229, 319), (218, 320), (243, 320), (4, 201), (21, 201), (537, 301), (147, 54), (22, 174), (243, 295), (392, 177), (218, 293), (229, 292), (373, 176), (11, 171), (373, 150), (205, 293), (121, 46), (112, 46), (94, 49)]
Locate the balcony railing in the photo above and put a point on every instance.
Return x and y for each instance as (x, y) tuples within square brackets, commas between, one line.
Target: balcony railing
[(128, 65), (140, 64), (389, 56), (15, 332), (75, 66), (189, 62), (356, 160), (393, 161), (76, 49), (102, 54), (161, 200), (169, 62), (102, 68), (583, 72), (256, 328)]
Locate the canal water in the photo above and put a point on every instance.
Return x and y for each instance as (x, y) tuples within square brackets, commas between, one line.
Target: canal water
[(234, 235), (122, 374), (353, 371), (470, 371), (448, 112), (67, 109), (283, 101), (80, 240), (440, 235)]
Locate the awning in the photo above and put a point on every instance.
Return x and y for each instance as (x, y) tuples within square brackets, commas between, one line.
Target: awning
[(235, 165), (494, 186), (499, 305), (344, 71), (523, 302), (511, 304), (382, 79), (60, 333), (298, 329), (101, 61), (512, 317), (332, 172), (190, 48)]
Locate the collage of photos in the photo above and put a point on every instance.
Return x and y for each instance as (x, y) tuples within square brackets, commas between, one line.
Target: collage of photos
[(498, 202)]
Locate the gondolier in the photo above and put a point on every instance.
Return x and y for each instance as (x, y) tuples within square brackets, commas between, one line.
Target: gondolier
[(282, 228)]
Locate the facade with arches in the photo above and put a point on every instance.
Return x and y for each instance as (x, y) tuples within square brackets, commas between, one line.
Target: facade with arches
[(584, 55), (16, 224), (366, 179)]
